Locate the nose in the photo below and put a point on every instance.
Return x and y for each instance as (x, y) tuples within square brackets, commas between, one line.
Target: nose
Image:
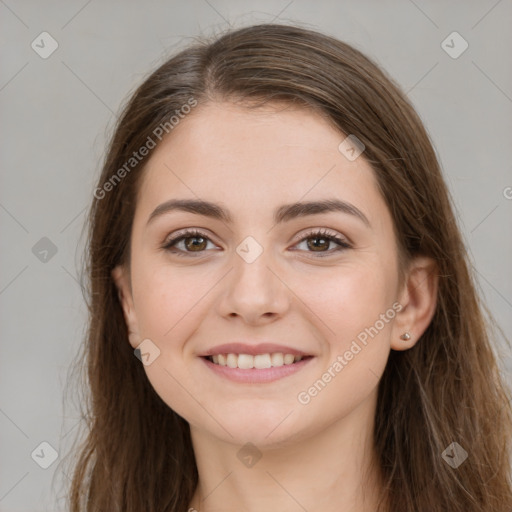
[(255, 291)]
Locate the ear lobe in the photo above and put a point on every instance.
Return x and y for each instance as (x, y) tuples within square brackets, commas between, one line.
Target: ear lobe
[(418, 300), (121, 280)]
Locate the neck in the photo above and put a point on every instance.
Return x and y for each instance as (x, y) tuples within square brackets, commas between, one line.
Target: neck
[(331, 470)]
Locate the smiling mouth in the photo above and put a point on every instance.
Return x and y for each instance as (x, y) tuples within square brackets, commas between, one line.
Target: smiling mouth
[(258, 362)]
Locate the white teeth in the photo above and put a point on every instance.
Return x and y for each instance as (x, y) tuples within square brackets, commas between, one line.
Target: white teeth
[(245, 361), (260, 361), (289, 358), (232, 360), (277, 359)]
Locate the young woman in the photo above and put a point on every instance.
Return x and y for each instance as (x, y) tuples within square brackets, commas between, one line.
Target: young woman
[(282, 315)]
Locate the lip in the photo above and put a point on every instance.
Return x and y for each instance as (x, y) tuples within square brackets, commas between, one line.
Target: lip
[(252, 350), (254, 375)]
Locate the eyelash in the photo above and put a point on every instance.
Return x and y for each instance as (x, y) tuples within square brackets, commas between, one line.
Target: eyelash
[(192, 233)]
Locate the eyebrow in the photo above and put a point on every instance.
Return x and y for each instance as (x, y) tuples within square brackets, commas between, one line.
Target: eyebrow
[(282, 214)]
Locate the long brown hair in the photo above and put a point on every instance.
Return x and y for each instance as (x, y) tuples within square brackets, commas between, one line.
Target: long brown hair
[(137, 453)]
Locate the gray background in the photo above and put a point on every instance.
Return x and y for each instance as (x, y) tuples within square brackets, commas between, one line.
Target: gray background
[(55, 116)]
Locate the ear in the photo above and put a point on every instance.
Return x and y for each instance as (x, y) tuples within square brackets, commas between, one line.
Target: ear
[(418, 299), (122, 280)]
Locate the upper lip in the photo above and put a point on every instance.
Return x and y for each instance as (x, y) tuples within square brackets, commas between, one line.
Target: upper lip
[(254, 350)]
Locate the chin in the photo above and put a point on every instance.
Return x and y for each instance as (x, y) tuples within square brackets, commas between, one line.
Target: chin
[(264, 427)]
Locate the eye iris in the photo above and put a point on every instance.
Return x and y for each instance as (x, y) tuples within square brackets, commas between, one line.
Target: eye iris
[(196, 247), (315, 245)]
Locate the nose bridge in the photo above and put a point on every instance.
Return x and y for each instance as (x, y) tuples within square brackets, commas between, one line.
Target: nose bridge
[(254, 287), (252, 261), (253, 268)]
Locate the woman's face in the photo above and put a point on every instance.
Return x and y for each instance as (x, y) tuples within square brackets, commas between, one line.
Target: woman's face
[(260, 273)]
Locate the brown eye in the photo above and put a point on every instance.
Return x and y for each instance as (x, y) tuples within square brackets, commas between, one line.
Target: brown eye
[(195, 246), (187, 242), (324, 243), (319, 241)]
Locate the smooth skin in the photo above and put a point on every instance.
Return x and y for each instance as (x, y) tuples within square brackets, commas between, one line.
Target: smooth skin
[(300, 293)]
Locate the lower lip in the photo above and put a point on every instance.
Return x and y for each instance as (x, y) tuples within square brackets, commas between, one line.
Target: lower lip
[(254, 375)]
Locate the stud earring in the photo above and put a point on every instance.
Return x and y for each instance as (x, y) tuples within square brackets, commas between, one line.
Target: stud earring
[(406, 336)]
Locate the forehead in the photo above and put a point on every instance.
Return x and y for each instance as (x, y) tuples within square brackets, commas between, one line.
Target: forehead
[(269, 133), (262, 156)]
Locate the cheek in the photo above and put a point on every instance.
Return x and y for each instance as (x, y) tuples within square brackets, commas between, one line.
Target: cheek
[(165, 301), (355, 308), (349, 299), (168, 304)]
